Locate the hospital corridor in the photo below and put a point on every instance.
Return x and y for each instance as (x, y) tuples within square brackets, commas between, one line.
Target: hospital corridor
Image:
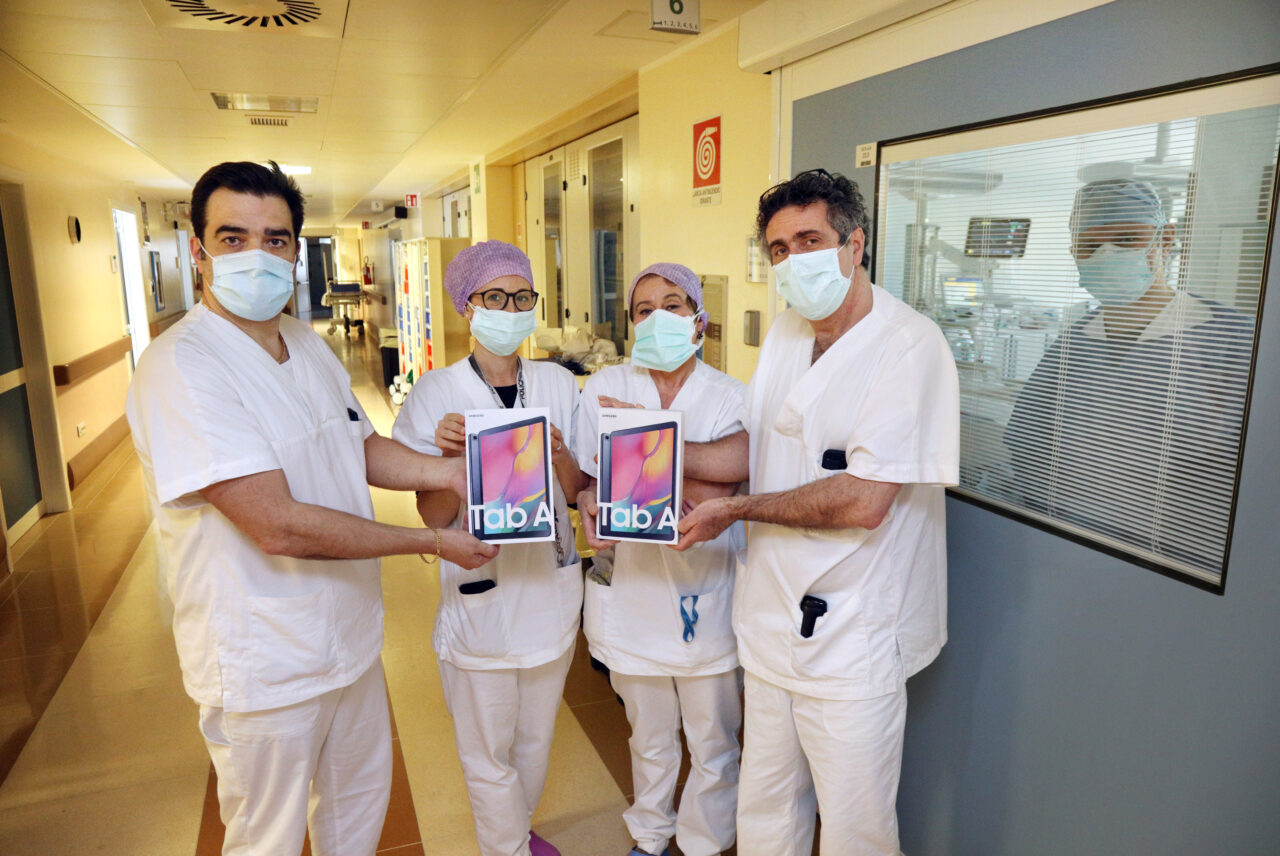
[(639, 427), (114, 762)]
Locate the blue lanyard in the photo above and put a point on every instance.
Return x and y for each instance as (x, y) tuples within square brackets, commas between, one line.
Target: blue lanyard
[(689, 622)]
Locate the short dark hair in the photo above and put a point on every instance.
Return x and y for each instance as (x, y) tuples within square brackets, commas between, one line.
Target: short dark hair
[(245, 177), (846, 209)]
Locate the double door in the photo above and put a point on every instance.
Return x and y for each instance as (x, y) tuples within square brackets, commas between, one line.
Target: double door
[(584, 230)]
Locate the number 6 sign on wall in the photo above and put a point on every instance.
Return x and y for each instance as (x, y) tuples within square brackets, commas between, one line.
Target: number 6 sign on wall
[(675, 16)]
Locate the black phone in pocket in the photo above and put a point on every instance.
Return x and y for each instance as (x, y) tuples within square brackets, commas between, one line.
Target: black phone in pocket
[(835, 459), (476, 586)]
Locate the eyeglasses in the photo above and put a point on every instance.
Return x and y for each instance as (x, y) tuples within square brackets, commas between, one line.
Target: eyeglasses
[(497, 299)]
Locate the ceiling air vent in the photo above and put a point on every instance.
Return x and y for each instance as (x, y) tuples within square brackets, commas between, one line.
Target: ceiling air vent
[(269, 121), (251, 13)]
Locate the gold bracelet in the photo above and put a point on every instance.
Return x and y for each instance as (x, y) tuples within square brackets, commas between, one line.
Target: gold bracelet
[(439, 545)]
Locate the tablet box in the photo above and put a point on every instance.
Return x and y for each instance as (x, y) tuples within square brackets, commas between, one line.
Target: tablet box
[(509, 475), (641, 469)]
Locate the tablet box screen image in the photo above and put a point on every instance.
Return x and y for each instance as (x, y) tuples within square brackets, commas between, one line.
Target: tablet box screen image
[(509, 475), (641, 464)]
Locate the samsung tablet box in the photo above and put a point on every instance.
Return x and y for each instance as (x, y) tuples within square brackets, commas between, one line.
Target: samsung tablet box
[(509, 475), (641, 463)]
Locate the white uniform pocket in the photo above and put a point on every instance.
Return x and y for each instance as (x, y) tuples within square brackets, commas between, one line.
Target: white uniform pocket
[(292, 637), (839, 647), (482, 625)]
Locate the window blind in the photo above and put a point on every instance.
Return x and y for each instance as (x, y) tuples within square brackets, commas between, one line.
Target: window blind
[(1099, 284)]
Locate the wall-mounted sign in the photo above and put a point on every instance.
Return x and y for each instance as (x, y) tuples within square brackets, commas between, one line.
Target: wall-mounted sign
[(706, 162), (411, 200), (675, 16), (865, 155), (365, 224)]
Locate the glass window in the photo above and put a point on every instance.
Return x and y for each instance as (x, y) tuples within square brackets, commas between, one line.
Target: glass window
[(1098, 278), (552, 183), (609, 313)]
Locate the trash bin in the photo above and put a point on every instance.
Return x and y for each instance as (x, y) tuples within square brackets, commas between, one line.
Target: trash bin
[(390, 346)]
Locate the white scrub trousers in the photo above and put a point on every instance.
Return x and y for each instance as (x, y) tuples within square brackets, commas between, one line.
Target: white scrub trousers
[(503, 721), (332, 751), (711, 712), (803, 754)]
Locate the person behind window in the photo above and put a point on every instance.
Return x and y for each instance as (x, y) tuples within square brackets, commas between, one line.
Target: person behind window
[(1130, 424)]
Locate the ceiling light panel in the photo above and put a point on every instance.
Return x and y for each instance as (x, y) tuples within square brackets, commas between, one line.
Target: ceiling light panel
[(265, 103)]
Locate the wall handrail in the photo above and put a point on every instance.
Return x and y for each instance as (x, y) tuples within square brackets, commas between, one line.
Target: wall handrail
[(65, 374)]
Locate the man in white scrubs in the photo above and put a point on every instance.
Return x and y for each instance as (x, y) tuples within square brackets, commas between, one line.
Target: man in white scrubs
[(853, 416), (258, 461)]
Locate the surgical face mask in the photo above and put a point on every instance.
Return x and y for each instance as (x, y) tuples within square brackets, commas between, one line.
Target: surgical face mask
[(812, 282), (251, 284), (1116, 275), (501, 332), (664, 340)]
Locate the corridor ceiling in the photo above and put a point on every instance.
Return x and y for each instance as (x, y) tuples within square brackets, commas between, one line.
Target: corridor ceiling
[(405, 93)]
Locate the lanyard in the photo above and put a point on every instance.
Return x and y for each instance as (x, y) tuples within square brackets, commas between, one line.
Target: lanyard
[(689, 616), (475, 367)]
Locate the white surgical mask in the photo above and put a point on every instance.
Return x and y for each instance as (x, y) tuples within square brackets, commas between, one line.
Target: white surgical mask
[(664, 340), (501, 332), (812, 282), (251, 284), (1116, 275)]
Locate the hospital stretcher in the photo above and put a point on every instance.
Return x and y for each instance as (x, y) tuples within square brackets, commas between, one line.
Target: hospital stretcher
[(347, 300)]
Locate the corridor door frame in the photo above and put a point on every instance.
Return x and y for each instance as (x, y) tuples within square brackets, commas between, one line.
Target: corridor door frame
[(41, 394)]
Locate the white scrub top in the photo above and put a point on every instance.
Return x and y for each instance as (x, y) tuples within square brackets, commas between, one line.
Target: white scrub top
[(208, 404), (886, 394), (531, 616), (634, 626)]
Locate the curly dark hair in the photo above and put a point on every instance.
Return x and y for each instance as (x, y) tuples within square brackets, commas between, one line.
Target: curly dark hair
[(846, 209), (245, 177)]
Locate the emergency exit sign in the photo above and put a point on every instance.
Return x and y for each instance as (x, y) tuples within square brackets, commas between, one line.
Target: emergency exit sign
[(675, 16)]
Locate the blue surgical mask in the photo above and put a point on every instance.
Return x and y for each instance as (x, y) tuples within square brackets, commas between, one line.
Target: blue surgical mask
[(501, 332), (251, 284), (664, 340), (812, 282), (1116, 275)]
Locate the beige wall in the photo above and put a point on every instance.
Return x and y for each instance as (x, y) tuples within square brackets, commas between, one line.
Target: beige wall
[(700, 83), (80, 298), (492, 209)]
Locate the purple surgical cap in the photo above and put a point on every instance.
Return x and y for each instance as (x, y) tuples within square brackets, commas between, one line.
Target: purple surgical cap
[(678, 275), (1116, 200), (480, 264)]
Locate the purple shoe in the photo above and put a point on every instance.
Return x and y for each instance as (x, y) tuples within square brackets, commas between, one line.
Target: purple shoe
[(538, 846)]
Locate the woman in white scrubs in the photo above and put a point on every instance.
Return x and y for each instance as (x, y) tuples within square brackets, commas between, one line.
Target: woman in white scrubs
[(504, 632), (660, 620)]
